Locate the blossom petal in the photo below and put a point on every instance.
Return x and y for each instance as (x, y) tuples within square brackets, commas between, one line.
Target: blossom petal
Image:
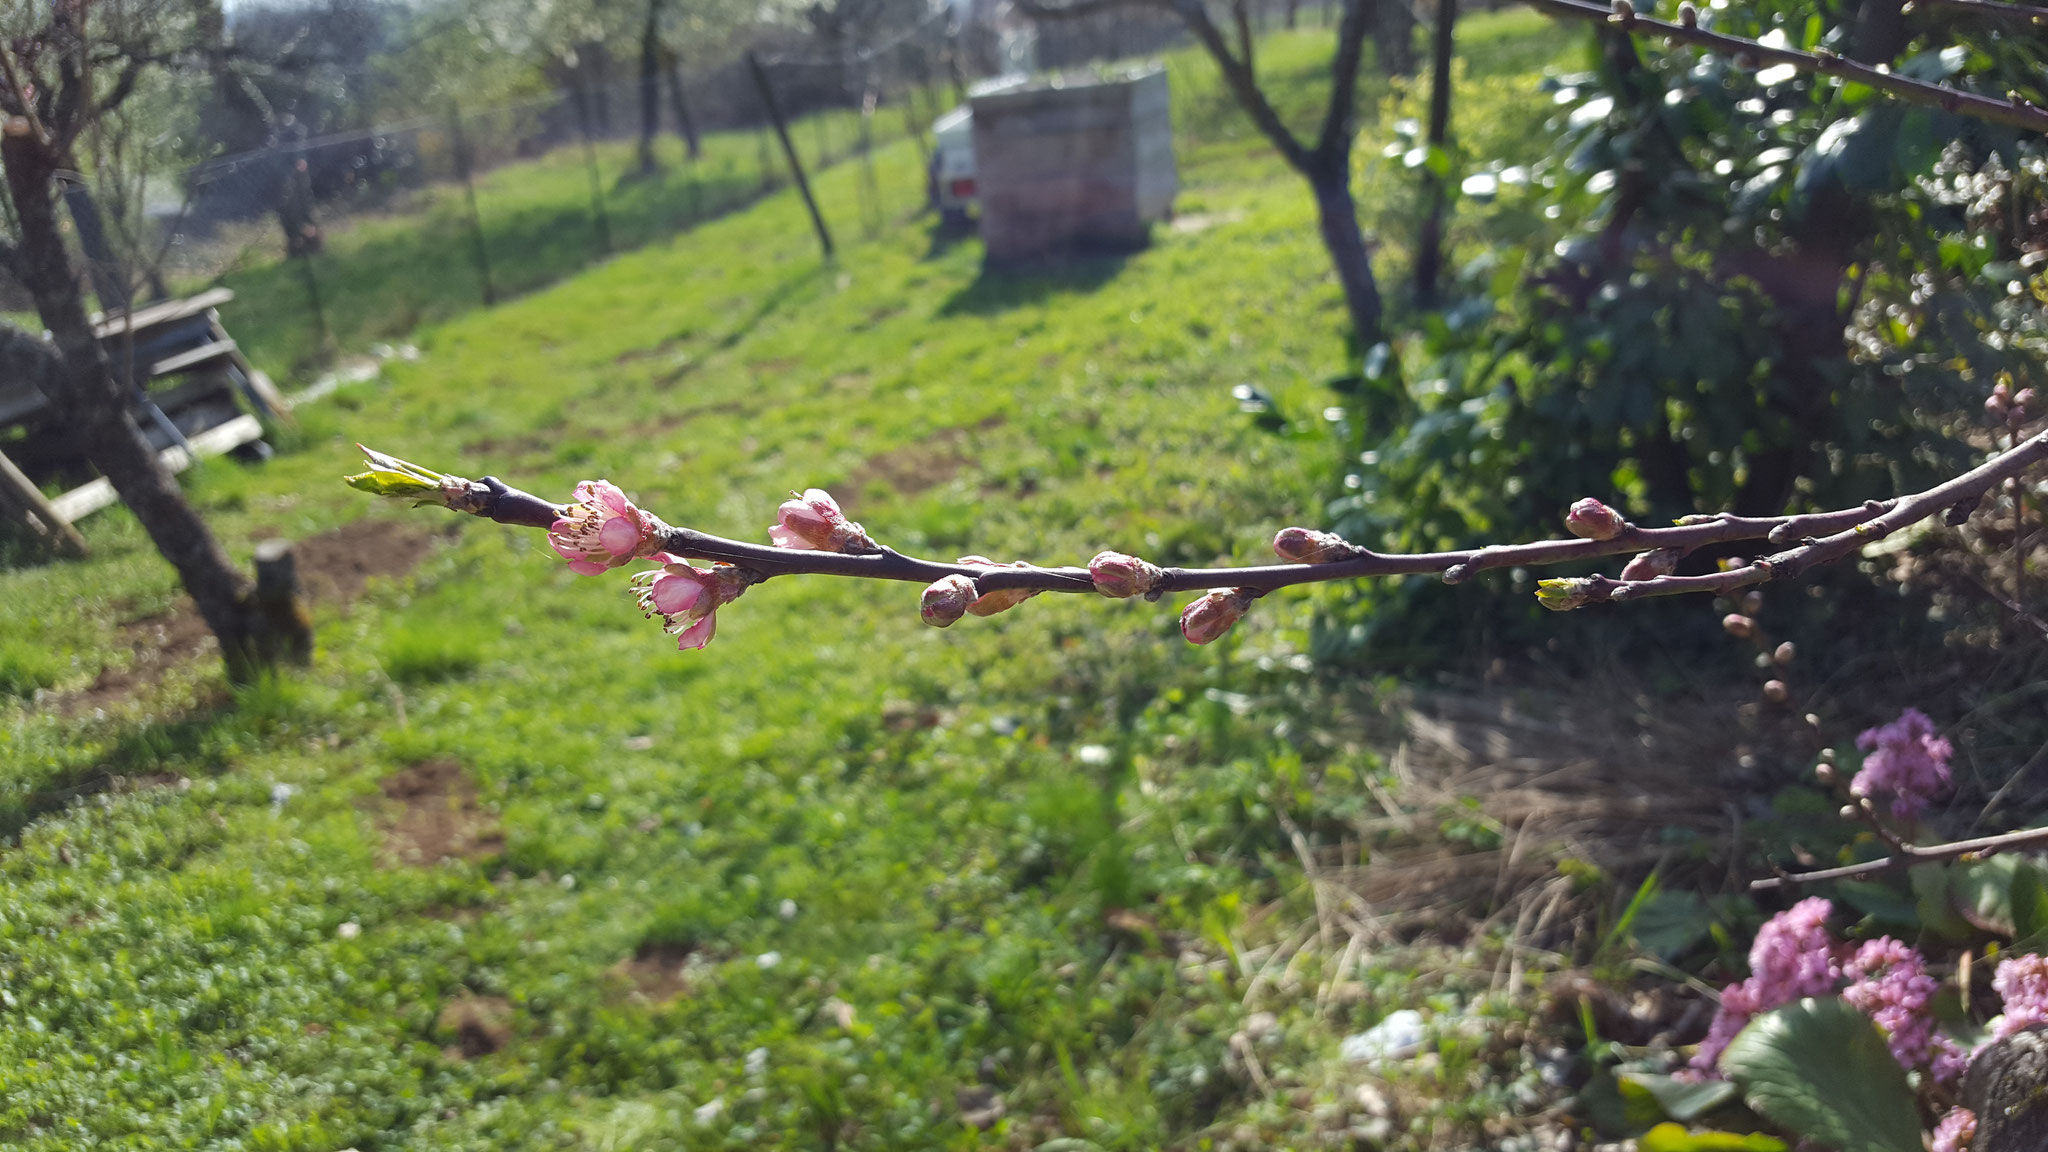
[(674, 594), (620, 536), (587, 567), (699, 634)]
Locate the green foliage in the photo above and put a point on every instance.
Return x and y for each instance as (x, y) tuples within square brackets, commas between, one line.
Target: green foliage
[(1819, 1069), (1669, 1137)]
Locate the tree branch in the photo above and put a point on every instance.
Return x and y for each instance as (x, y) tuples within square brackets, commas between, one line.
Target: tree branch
[(1907, 855), (2015, 112), (1243, 85), (1990, 9), (1334, 141), (1852, 528)]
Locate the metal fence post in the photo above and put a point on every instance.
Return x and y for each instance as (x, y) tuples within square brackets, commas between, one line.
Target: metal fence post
[(796, 167), (600, 219), (464, 165)]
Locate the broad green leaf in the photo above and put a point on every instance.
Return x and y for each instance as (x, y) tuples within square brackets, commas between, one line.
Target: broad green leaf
[(1981, 893), (2028, 897), (1819, 1069), (1674, 1138), (1672, 923), (1683, 1099)]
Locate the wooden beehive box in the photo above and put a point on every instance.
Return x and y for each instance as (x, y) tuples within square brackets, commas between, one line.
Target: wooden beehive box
[(1073, 169)]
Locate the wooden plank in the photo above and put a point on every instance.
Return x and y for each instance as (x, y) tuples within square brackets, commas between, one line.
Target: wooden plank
[(89, 498), (16, 489), (193, 358), (164, 312), (260, 386)]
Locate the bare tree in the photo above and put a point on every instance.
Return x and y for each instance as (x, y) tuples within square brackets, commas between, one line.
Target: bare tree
[(53, 66), (1323, 160)]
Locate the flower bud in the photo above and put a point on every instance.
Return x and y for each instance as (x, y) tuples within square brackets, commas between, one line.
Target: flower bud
[(945, 600), (1308, 546), (2023, 403), (1850, 812), (1776, 692), (1118, 576), (1589, 519), (1208, 617), (1652, 564), (1825, 773), (1752, 602), (812, 520), (1827, 755), (1563, 595), (1003, 599), (1784, 653), (1738, 625)]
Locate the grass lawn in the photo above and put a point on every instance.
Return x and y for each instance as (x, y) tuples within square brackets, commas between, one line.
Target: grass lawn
[(504, 870)]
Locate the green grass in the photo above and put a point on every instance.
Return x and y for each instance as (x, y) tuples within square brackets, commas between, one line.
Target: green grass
[(833, 804)]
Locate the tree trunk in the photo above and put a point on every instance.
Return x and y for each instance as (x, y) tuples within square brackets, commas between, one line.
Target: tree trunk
[(650, 86), (1393, 37), (1429, 254), (679, 104), (1337, 214), (96, 410)]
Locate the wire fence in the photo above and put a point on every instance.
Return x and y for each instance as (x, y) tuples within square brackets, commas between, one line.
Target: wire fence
[(337, 241)]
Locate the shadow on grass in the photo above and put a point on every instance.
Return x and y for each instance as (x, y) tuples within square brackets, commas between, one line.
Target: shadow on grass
[(998, 290)]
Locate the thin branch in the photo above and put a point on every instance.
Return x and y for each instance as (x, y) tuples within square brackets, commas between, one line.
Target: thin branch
[(1967, 488), (1243, 19), (1334, 141), (1854, 527), (1243, 85), (2015, 112), (1991, 9), (1907, 855)]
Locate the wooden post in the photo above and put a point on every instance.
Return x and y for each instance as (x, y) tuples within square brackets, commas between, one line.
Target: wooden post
[(599, 217), (289, 631), (1429, 246), (796, 167), (464, 163), (35, 508)]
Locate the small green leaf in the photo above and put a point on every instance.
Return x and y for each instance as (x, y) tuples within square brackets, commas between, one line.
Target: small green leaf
[(1683, 1099), (1819, 1070), (2029, 900), (1673, 1138), (380, 483)]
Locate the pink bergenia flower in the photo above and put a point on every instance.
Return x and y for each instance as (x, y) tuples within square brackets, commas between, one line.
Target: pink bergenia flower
[(1002, 599), (1948, 1060), (1889, 983), (2022, 981), (1793, 957), (1209, 617), (1955, 1131), (813, 521), (687, 598), (1906, 761), (603, 529)]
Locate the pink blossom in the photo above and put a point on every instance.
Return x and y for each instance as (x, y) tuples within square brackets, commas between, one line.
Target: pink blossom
[(1209, 617), (1589, 519), (1955, 1131), (1889, 983), (602, 529), (1948, 1061), (1793, 957), (1308, 546), (945, 600), (1118, 576), (813, 521), (687, 598), (1002, 599), (2023, 983), (1906, 761)]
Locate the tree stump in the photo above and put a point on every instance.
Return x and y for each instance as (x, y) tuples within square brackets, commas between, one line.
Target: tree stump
[(287, 631), (2007, 1087)]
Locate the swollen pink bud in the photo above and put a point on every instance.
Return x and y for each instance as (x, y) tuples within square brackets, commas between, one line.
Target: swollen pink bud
[(1002, 599), (2023, 402), (1589, 519), (813, 521), (602, 529), (945, 600), (1652, 564), (1738, 625), (1776, 692), (1308, 546), (1210, 616), (1118, 576)]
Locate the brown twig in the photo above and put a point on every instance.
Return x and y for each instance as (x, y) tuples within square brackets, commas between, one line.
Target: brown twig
[(1907, 855), (1852, 528), (1992, 9), (2015, 112)]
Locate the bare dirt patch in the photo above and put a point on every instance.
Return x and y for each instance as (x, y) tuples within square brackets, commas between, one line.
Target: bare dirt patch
[(333, 567), (930, 462), (432, 815), (476, 1025), (659, 972)]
